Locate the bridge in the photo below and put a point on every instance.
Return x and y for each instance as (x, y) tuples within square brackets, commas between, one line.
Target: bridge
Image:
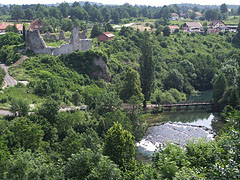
[(187, 105)]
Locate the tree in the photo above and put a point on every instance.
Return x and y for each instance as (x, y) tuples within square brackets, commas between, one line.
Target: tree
[(66, 24), (238, 11), (24, 134), (19, 107), (131, 86), (17, 12), (166, 31), (87, 164), (115, 16), (28, 165), (11, 28), (28, 14), (219, 86), (147, 67), (119, 146), (49, 110), (96, 31), (174, 79), (223, 8), (212, 14)]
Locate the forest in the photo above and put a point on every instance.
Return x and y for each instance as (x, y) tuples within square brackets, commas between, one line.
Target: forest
[(39, 141)]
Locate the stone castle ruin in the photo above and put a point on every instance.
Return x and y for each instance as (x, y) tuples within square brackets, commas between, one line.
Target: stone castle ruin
[(77, 41)]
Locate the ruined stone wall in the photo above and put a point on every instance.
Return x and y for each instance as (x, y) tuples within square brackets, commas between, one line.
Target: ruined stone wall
[(35, 42)]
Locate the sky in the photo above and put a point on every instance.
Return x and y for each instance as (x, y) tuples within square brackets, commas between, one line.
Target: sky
[(133, 2)]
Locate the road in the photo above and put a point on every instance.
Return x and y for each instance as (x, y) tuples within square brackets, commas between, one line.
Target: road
[(8, 80)]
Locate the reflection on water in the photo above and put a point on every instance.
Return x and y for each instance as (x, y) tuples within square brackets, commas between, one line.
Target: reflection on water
[(193, 118)]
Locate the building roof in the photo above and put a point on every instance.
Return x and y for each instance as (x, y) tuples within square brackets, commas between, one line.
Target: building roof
[(35, 21), (214, 23), (198, 13), (3, 26), (19, 27), (173, 27), (108, 34), (175, 15), (193, 24)]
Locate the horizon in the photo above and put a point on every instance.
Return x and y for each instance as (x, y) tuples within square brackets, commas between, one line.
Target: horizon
[(132, 2)]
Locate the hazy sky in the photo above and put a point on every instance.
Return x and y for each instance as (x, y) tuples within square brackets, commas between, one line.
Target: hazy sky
[(133, 2)]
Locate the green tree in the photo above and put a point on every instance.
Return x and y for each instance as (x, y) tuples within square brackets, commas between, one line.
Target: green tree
[(24, 134), (131, 86), (27, 165), (17, 12), (49, 110), (147, 67), (212, 14), (4, 155), (66, 24), (174, 79), (119, 146), (96, 31), (219, 86), (19, 107), (166, 31), (11, 28), (223, 8), (87, 164)]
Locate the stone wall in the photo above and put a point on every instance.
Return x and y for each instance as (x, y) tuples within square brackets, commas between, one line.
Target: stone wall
[(35, 42)]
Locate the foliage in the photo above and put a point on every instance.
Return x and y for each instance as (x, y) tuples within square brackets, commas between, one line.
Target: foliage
[(146, 68), (19, 107), (131, 86), (119, 146)]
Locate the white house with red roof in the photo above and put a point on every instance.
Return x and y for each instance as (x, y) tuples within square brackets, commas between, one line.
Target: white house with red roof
[(174, 17)]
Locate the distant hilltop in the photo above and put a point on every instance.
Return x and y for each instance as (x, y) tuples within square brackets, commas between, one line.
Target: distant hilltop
[(189, 5)]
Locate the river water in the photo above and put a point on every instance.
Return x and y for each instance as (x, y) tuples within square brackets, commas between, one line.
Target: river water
[(179, 127)]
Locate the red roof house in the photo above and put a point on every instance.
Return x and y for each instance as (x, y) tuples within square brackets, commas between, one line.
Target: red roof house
[(3, 27), (36, 24), (105, 36)]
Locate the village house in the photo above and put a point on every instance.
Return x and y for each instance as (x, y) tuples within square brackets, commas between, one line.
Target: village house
[(36, 24), (192, 27), (105, 36), (174, 17), (3, 27), (198, 15), (173, 28), (217, 26)]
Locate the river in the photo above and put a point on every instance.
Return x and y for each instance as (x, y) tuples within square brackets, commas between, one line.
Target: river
[(178, 127)]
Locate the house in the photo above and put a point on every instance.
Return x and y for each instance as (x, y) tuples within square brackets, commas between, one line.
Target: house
[(19, 28), (173, 28), (198, 15), (174, 17), (36, 24), (105, 36), (192, 27), (217, 24), (3, 27)]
